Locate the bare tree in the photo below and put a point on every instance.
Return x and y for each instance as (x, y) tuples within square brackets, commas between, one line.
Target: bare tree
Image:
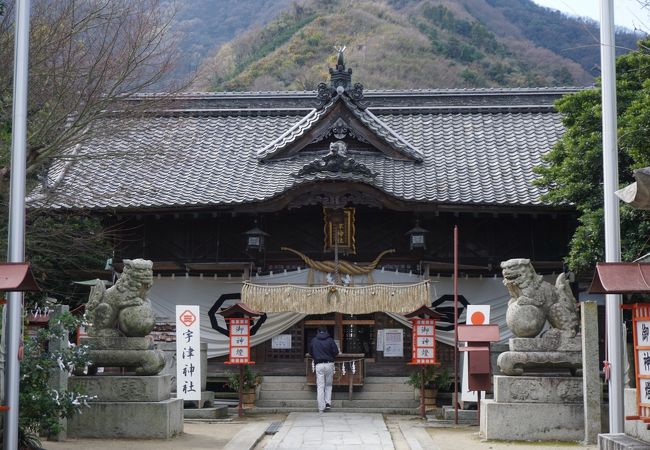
[(85, 56)]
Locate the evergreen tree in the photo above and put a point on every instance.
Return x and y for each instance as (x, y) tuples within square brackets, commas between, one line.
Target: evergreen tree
[(573, 172)]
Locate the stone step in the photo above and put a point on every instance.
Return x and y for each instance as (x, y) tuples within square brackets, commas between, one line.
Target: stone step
[(388, 387), (620, 441), (223, 395), (284, 379), (390, 380), (216, 412), (288, 386), (384, 410), (372, 387), (336, 403), (302, 378), (337, 395), (467, 415), (434, 422)]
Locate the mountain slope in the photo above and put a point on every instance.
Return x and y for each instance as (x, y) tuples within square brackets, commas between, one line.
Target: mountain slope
[(202, 25), (397, 44)]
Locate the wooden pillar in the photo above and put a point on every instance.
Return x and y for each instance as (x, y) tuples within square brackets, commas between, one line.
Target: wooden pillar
[(338, 329)]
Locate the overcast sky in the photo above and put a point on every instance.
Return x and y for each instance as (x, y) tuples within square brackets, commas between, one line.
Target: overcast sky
[(627, 13)]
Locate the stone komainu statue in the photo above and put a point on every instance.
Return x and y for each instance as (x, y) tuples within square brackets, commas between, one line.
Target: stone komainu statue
[(123, 309), (533, 301), (121, 319)]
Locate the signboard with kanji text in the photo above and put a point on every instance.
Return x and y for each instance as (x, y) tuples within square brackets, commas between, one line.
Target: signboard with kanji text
[(641, 333), (424, 341), (188, 354), (240, 330)]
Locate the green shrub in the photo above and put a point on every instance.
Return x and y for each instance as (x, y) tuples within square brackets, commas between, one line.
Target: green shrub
[(433, 377), (41, 406), (251, 379)]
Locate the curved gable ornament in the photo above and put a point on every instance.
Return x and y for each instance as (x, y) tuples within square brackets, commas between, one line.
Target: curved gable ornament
[(341, 266), (336, 162), (341, 112)]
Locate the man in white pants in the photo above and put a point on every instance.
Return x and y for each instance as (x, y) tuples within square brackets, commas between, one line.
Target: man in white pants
[(323, 350)]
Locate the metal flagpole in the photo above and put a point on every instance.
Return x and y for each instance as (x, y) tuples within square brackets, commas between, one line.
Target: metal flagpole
[(612, 220), (16, 242), (456, 324)]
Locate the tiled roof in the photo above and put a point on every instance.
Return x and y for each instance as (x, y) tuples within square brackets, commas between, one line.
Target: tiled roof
[(472, 152), (379, 128)]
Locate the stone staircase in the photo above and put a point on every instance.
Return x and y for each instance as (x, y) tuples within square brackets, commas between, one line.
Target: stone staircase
[(390, 395)]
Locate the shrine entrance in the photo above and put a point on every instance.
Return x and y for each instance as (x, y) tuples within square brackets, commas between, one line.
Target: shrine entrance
[(353, 333)]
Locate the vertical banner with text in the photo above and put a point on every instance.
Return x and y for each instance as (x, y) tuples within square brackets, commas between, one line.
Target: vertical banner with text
[(188, 352)]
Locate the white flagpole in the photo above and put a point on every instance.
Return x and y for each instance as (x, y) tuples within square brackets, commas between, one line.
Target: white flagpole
[(16, 242), (612, 219)]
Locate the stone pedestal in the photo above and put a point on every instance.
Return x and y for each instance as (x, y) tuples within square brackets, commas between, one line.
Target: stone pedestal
[(132, 353), (169, 351), (534, 408), (550, 351), (135, 407), (634, 428), (207, 400)]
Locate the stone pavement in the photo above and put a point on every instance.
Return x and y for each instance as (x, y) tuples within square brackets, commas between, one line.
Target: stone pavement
[(332, 431)]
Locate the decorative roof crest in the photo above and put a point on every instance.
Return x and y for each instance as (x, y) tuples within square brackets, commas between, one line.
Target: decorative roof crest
[(340, 83), (336, 161)]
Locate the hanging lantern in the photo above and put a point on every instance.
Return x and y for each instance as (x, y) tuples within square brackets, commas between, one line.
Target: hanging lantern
[(255, 239), (417, 236)]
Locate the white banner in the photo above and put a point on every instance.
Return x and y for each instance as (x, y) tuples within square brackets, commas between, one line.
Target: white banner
[(188, 352), (167, 292)]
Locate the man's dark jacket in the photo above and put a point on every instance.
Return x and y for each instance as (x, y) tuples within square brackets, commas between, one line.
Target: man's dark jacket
[(323, 348)]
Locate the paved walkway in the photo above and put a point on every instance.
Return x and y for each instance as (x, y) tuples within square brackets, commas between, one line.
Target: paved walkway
[(332, 431)]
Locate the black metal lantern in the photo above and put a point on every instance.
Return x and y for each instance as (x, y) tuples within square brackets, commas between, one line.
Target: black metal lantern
[(255, 239), (417, 236)]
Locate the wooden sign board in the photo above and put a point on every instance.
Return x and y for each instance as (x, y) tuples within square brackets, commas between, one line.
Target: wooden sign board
[(641, 332), (424, 342), (339, 234), (240, 341)]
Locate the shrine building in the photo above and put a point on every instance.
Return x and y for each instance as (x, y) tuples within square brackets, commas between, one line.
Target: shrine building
[(342, 187)]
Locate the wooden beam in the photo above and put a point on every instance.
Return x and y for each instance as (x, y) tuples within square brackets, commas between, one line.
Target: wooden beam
[(320, 322)]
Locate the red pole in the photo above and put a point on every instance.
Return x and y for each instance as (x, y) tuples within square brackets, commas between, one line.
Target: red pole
[(423, 411), (240, 408), (456, 324)]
